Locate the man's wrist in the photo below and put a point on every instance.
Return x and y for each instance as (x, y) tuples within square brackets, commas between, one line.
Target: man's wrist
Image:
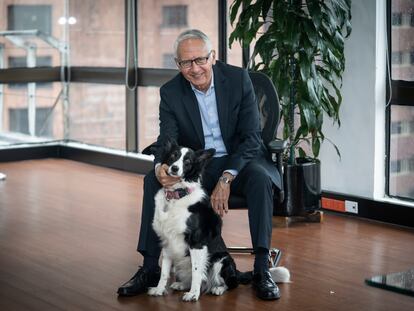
[(226, 178)]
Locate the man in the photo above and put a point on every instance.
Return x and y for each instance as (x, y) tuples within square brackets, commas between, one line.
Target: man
[(212, 105)]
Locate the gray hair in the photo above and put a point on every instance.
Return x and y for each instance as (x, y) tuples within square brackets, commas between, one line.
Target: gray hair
[(192, 34)]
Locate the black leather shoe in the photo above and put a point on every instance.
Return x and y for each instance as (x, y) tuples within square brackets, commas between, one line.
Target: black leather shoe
[(265, 287), (140, 282)]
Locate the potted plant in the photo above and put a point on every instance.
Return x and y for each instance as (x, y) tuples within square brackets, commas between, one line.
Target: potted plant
[(299, 44)]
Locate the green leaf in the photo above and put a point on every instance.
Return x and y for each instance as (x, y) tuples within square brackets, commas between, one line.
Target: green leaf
[(302, 152), (312, 91), (234, 9), (308, 112), (315, 12), (316, 146), (266, 7), (305, 68)]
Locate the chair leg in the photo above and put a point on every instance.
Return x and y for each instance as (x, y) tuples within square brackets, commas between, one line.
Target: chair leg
[(274, 253), (274, 257)]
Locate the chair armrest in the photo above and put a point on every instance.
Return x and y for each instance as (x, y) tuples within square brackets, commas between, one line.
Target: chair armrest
[(277, 145), (276, 148)]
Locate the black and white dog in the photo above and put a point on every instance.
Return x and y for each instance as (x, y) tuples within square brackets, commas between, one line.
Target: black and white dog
[(190, 232)]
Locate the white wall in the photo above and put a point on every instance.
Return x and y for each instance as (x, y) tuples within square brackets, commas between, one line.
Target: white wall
[(361, 137)]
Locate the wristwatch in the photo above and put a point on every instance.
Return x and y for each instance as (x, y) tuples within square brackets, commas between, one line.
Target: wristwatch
[(224, 179)]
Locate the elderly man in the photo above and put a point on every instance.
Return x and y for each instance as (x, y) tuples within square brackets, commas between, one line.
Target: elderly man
[(212, 105)]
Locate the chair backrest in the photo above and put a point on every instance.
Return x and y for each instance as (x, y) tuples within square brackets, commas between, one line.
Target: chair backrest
[(268, 102)]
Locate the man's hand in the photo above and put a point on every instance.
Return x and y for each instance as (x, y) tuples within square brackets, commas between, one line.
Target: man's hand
[(220, 197), (165, 180)]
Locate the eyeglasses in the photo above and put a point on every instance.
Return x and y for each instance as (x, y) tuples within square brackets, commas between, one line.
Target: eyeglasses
[(185, 64)]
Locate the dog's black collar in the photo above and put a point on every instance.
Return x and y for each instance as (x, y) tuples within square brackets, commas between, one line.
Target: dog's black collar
[(177, 193)]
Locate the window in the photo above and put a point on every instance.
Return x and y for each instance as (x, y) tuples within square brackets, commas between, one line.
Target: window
[(396, 18), (19, 121), (395, 127), (397, 58), (174, 16), (27, 17), (18, 61), (168, 61), (403, 166), (97, 114), (97, 38), (395, 166), (156, 36)]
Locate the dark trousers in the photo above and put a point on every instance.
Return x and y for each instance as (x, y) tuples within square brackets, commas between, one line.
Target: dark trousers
[(252, 182)]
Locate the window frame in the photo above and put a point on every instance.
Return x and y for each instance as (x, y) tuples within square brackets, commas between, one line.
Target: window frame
[(399, 93)]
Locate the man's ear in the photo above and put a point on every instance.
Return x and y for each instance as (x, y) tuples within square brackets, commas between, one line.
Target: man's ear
[(213, 57), (204, 155)]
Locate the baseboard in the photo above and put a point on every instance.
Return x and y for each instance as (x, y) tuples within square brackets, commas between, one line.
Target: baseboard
[(368, 208), (115, 160), (29, 152)]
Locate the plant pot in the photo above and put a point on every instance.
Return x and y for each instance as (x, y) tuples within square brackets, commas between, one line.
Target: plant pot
[(302, 185)]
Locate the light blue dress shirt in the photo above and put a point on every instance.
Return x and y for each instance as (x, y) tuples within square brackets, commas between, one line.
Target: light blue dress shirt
[(209, 118)]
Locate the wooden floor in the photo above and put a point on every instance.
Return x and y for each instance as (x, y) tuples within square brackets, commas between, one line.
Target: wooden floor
[(68, 233)]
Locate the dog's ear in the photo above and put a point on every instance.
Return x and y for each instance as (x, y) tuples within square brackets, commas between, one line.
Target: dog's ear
[(167, 146), (204, 155), (151, 149)]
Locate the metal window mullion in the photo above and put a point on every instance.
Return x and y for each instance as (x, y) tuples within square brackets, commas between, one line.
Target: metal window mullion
[(245, 50), (31, 92), (222, 19), (1, 87), (131, 95)]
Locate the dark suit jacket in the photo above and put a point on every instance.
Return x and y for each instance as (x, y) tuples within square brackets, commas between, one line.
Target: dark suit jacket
[(238, 113)]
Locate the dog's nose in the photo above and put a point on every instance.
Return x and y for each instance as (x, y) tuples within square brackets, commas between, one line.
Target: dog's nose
[(174, 169)]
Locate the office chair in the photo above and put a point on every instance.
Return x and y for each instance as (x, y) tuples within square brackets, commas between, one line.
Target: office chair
[(269, 109)]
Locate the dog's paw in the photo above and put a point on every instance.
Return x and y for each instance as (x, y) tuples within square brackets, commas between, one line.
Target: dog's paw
[(157, 291), (191, 296), (218, 290), (179, 286)]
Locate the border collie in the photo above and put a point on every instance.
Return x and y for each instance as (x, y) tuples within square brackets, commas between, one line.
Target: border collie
[(190, 232)]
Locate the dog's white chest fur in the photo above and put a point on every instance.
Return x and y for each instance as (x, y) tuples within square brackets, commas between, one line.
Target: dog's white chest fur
[(170, 220)]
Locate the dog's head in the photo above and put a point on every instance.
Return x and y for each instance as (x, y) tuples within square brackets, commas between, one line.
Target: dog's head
[(184, 162)]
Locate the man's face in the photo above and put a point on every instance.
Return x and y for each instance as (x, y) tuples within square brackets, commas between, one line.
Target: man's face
[(198, 75)]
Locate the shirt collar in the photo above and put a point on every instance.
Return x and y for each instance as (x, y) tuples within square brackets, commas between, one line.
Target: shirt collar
[(209, 90)]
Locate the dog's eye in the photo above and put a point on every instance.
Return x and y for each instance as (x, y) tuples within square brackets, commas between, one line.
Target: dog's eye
[(174, 155), (187, 162)]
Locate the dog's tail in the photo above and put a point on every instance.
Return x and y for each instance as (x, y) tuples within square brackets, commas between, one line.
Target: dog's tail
[(279, 275)]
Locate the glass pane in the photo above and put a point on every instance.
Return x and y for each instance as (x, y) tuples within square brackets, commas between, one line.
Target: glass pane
[(402, 38), (149, 101), (47, 115), (401, 177), (30, 35), (97, 34), (160, 22), (97, 114)]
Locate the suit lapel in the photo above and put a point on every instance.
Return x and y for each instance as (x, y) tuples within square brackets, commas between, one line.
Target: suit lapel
[(222, 98), (191, 105)]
